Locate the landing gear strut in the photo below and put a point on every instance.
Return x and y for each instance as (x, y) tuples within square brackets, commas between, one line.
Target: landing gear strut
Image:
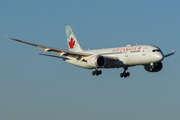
[(124, 74), (96, 72)]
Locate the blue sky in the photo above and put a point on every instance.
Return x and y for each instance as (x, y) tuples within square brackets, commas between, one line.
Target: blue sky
[(39, 87)]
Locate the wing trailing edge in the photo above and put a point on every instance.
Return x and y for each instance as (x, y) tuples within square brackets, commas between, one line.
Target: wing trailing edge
[(64, 58), (77, 55)]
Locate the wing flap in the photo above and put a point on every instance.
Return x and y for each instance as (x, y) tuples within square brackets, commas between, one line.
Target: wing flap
[(64, 58)]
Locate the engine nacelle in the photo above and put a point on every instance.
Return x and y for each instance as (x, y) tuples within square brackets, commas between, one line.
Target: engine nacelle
[(156, 67), (96, 61)]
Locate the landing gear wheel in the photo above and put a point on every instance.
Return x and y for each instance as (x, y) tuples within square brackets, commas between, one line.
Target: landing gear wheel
[(96, 72), (121, 75), (93, 73), (128, 74), (100, 72), (124, 74)]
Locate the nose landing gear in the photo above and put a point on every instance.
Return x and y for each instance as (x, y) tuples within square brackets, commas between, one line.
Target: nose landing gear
[(124, 74)]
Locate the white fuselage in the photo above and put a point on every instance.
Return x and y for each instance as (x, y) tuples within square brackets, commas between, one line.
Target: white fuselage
[(127, 56)]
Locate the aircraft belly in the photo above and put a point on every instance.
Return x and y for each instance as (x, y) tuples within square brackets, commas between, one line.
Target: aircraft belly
[(135, 59), (140, 59), (79, 63)]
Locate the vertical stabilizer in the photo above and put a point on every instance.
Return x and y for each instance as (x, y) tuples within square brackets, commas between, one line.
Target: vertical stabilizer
[(73, 44)]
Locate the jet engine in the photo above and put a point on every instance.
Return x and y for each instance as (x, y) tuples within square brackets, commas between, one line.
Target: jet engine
[(155, 67), (96, 61)]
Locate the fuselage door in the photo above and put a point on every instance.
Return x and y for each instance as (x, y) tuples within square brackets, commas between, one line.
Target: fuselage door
[(127, 58), (144, 51), (126, 54)]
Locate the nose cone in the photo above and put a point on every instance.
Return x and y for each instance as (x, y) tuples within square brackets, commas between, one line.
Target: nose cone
[(158, 57)]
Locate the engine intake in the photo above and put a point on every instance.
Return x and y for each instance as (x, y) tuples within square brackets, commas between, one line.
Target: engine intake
[(156, 67), (96, 61)]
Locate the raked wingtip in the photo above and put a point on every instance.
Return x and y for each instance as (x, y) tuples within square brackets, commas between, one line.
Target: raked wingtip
[(174, 51), (8, 37)]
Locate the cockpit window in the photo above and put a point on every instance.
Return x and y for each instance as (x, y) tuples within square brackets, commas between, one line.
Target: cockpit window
[(156, 50)]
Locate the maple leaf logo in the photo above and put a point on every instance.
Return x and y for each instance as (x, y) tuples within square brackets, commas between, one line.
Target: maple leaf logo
[(71, 43)]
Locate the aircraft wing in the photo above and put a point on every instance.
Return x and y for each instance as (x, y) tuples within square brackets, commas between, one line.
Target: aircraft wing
[(167, 55), (110, 61), (77, 55)]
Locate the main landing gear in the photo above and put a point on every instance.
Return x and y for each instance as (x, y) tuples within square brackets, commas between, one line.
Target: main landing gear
[(125, 74), (96, 72)]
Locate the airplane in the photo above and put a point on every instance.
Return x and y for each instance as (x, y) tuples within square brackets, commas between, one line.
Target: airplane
[(149, 56)]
